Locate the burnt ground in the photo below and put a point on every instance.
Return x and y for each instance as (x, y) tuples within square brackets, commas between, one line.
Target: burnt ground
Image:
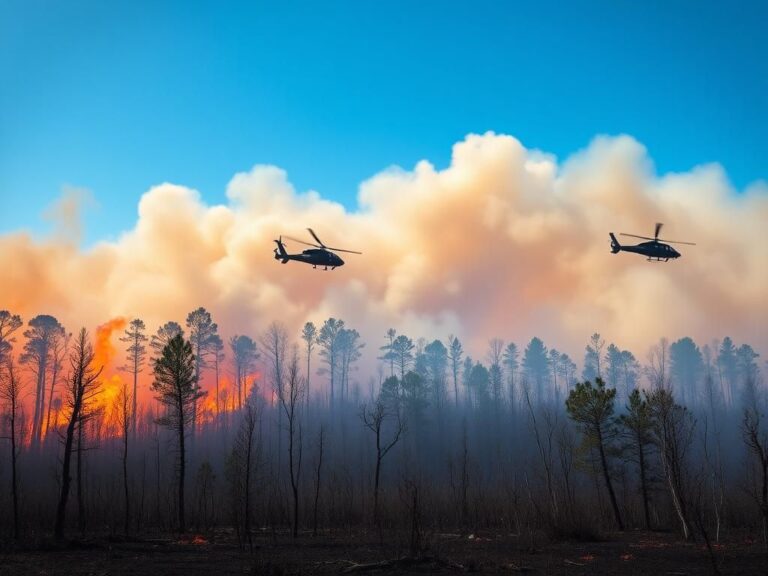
[(630, 554)]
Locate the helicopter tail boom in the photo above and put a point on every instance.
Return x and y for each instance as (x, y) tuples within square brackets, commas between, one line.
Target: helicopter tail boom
[(615, 246), (280, 253)]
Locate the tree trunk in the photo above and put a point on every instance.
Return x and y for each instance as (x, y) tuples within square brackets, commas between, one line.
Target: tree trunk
[(14, 487), (247, 503), (80, 501), (182, 463), (61, 510), (607, 478), (317, 485), (644, 485), (125, 481)]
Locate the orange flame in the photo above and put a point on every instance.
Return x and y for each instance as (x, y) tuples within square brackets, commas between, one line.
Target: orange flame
[(105, 355)]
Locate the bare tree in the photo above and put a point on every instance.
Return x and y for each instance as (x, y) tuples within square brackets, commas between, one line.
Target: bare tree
[(137, 352), (82, 388), (176, 388), (291, 398), (59, 349), (673, 430), (11, 389), (240, 470), (657, 369), (455, 352), (274, 343), (217, 351), (756, 440), (374, 418), (124, 403), (318, 476), (309, 335), (389, 355)]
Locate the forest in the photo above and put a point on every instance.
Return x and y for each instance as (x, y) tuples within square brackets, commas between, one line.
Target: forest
[(279, 441)]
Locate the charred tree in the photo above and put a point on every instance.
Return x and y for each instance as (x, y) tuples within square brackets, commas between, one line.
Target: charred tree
[(82, 388)]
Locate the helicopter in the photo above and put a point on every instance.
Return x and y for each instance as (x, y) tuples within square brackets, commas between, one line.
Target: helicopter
[(320, 255), (655, 249)]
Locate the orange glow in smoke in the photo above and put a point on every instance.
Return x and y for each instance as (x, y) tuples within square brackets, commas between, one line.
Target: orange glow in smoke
[(105, 355)]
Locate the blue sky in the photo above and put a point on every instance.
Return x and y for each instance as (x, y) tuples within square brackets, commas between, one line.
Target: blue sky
[(118, 96)]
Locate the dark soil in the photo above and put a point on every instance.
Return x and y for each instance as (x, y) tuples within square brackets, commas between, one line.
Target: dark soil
[(369, 553)]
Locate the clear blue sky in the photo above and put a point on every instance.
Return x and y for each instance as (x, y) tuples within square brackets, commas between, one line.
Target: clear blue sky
[(118, 96)]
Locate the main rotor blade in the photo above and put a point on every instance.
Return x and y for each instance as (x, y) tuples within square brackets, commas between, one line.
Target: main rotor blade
[(636, 236), (678, 242), (316, 238), (658, 229), (301, 242), (342, 250)]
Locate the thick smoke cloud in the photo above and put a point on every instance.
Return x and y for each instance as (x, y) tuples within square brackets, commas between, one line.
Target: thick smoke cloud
[(504, 242)]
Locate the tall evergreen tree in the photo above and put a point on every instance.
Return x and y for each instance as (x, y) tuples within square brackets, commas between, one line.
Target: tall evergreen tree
[(638, 429), (176, 388), (37, 353), (536, 366), (329, 350), (201, 331), (137, 352), (686, 367), (591, 407), (9, 323)]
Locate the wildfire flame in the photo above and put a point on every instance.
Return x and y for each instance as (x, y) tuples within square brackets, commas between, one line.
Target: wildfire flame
[(105, 355)]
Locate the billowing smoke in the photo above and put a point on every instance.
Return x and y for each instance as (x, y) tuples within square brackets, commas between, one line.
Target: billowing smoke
[(505, 242)]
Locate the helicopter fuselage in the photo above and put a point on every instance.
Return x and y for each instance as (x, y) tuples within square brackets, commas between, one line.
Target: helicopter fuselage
[(313, 256), (653, 250)]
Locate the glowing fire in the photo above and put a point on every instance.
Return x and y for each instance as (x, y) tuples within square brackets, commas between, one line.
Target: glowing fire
[(105, 355)]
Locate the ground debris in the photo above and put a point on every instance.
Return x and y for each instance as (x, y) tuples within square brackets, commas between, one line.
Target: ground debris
[(401, 563)]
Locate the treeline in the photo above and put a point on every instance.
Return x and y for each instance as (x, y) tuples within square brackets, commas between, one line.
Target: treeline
[(273, 431)]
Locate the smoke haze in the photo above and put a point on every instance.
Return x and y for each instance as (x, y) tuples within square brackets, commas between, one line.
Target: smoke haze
[(505, 242)]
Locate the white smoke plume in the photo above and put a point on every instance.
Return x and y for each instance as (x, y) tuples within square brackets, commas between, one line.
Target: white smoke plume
[(505, 242)]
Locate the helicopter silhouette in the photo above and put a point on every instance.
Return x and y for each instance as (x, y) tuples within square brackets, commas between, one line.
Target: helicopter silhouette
[(320, 255), (656, 249)]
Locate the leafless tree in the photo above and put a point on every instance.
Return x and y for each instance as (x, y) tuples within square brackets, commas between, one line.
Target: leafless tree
[(291, 398), (309, 335), (59, 349), (11, 390), (82, 388), (756, 440), (137, 352), (455, 353), (657, 369), (241, 468), (673, 429), (374, 419), (318, 476), (123, 418)]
